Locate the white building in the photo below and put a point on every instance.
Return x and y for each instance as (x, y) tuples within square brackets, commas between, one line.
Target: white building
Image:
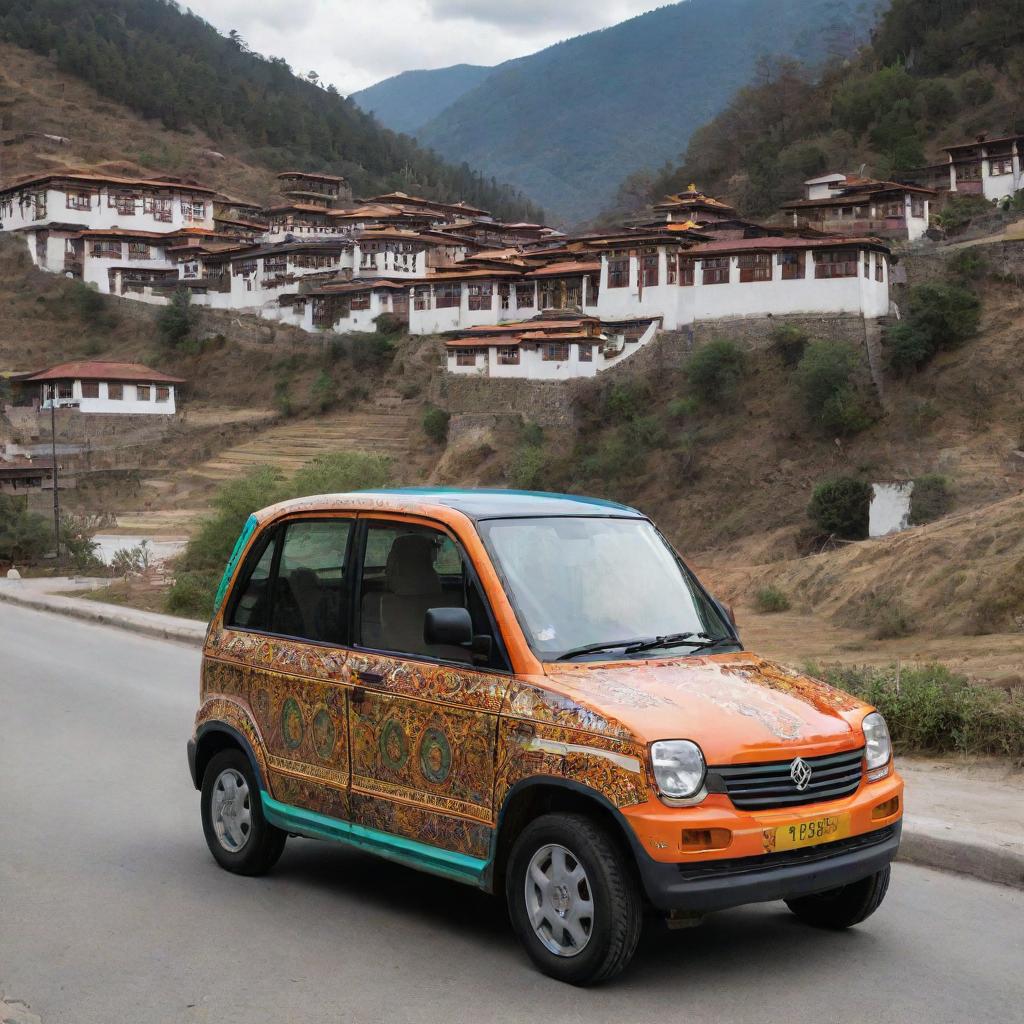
[(97, 386), (862, 206), (988, 167)]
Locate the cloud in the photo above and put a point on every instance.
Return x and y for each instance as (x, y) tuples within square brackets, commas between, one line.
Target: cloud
[(356, 43)]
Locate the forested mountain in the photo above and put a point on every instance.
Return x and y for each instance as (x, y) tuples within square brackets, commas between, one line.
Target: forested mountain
[(168, 64), (570, 122), (408, 101), (936, 72)]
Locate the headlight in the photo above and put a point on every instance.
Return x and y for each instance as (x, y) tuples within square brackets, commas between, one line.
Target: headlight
[(878, 750), (678, 768)]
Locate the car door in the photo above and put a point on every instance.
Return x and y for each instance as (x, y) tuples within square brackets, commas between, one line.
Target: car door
[(422, 718), (294, 609)]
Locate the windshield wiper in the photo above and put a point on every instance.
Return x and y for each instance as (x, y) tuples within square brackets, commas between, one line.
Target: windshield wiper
[(698, 641), (608, 645)]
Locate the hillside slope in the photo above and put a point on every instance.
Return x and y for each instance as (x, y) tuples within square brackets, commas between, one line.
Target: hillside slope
[(406, 102), (167, 64), (933, 74), (568, 123)]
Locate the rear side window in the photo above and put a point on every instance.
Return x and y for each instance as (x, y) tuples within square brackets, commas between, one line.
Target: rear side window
[(298, 587)]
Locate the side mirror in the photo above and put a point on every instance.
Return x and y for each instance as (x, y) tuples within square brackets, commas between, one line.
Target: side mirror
[(450, 626)]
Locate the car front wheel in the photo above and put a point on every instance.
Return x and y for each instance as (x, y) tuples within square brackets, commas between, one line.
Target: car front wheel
[(573, 899), (239, 837), (843, 907)]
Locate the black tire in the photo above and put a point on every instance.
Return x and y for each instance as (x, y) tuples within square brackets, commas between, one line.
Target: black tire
[(263, 843), (843, 907), (610, 884)]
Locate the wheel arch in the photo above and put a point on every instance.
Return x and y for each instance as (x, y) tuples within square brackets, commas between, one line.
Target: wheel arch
[(543, 794), (211, 739)]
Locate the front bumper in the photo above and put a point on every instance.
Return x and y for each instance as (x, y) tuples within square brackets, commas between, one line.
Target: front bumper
[(718, 884)]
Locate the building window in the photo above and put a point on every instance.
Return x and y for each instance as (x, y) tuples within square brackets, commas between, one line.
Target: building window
[(1002, 165), (159, 208), (835, 263), (360, 300), (792, 264), (687, 271), (141, 392), (879, 267), (715, 270), (916, 206), (421, 297), (618, 272), (138, 251), (593, 289), (671, 268), (115, 392), (38, 202), (649, 269), (505, 296), (79, 201), (555, 352), (243, 268), (163, 394), (867, 265), (41, 239), (480, 296), (90, 389), (969, 172), (525, 297), (447, 296), (586, 353), (66, 389), (755, 266), (894, 208), (466, 357), (508, 355), (190, 269), (106, 250)]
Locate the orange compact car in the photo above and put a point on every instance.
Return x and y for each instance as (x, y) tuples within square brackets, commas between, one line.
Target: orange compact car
[(532, 694)]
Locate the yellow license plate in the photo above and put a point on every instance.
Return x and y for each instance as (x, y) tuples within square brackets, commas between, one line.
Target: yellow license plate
[(813, 832)]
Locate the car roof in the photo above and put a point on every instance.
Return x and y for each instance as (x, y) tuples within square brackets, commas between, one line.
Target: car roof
[(475, 503)]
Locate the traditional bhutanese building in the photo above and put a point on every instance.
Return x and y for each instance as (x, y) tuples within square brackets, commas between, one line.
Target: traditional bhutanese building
[(99, 386), (988, 167), (862, 206)]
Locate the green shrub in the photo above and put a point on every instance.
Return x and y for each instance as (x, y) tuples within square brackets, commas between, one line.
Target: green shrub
[(968, 264), (323, 392), (340, 472), (283, 398), (24, 536), (435, 424), (960, 209), (91, 306), (531, 433), (192, 594), (646, 432), (613, 458), (826, 380), (789, 342), (388, 324), (178, 319), (975, 89), (683, 408), (931, 498), (371, 351), (623, 401), (940, 315), (715, 370), (887, 616), (769, 599), (77, 546), (528, 468), (931, 710), (840, 508)]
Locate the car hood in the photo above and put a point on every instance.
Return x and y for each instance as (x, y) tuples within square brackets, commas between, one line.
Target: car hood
[(738, 707)]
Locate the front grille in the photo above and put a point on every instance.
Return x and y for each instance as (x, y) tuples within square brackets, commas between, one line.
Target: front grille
[(808, 855), (761, 787)]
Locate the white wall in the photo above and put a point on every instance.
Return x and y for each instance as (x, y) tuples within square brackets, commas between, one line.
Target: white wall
[(129, 404), (889, 511)]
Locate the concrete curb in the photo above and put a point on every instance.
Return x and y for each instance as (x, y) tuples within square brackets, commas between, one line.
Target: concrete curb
[(926, 842), (151, 624)]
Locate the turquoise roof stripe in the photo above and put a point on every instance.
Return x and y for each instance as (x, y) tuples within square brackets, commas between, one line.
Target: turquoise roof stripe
[(458, 866), (236, 554), (505, 500)]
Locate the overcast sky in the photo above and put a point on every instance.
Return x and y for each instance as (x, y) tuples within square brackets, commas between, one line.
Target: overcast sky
[(355, 43)]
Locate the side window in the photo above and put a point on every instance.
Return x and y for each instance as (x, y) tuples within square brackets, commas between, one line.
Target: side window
[(310, 587), (252, 606), (407, 570)]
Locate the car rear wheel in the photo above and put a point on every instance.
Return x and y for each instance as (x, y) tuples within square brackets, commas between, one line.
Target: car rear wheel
[(843, 907), (573, 899), (239, 837)]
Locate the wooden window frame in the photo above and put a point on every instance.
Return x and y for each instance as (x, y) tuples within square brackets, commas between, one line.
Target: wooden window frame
[(828, 264), (650, 269), (162, 393), (618, 271), (78, 200), (90, 389), (530, 293), (585, 352), (481, 297), (554, 351), (143, 393), (508, 355), (115, 391), (466, 356), (360, 300), (755, 266), (447, 296), (793, 263), (715, 270)]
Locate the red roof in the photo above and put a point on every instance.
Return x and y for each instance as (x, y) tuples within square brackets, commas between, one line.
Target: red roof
[(97, 369), (570, 267), (90, 178), (780, 242)]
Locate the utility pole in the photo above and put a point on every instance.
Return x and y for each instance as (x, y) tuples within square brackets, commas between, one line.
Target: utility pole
[(53, 460)]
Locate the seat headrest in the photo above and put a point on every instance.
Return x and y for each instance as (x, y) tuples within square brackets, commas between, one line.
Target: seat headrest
[(410, 566)]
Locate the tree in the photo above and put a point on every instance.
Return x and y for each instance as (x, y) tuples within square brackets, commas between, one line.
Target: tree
[(840, 507), (940, 315), (24, 536), (826, 381), (715, 370), (178, 319)]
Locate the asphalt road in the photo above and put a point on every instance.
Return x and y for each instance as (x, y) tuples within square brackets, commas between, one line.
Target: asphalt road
[(112, 910)]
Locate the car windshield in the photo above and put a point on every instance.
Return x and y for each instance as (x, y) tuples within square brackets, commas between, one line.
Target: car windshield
[(578, 582)]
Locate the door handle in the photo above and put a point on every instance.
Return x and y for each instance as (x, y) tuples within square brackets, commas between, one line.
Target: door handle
[(370, 678)]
